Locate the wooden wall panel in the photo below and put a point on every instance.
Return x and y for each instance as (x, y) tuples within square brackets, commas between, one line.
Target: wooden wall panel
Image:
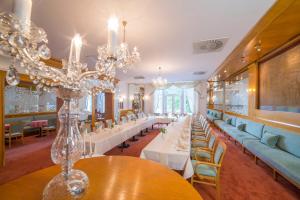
[(109, 105), (2, 142), (278, 26)]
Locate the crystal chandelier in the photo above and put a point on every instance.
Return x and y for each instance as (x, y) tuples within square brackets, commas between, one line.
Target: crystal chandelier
[(159, 82), (113, 56), (26, 44)]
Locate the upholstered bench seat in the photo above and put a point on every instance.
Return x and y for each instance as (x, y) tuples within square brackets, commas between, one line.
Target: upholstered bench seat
[(286, 163)]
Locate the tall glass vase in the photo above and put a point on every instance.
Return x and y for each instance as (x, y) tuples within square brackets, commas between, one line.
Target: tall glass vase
[(65, 151)]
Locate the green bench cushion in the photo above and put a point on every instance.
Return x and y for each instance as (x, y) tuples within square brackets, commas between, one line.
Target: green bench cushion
[(251, 127), (288, 141), (286, 163)]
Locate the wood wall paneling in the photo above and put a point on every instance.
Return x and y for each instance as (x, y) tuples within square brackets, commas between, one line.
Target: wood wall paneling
[(278, 26), (109, 106), (2, 142)]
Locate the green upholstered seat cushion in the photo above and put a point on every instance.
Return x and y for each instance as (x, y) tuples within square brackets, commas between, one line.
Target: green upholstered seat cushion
[(288, 141), (269, 139), (200, 154), (286, 163), (241, 127), (251, 127), (232, 121), (219, 123), (199, 144), (204, 169), (228, 121)]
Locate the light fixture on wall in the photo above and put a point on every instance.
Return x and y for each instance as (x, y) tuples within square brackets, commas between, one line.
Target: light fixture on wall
[(159, 82)]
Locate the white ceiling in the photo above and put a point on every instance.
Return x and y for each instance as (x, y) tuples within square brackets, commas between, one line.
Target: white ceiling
[(163, 30)]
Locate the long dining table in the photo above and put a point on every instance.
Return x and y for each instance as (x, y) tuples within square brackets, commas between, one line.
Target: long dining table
[(103, 140), (172, 149)]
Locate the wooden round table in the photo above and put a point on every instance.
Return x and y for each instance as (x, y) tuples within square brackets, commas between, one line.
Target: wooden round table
[(110, 178)]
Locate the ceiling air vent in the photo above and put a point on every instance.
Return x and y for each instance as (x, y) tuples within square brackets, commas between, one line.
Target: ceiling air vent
[(199, 73), (208, 46), (139, 77)]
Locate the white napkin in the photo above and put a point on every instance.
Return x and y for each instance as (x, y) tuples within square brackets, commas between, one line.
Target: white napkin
[(182, 145)]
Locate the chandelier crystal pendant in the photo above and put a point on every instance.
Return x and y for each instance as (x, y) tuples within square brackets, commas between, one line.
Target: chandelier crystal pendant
[(159, 82), (113, 56)]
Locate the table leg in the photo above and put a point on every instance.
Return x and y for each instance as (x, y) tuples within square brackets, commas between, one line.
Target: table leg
[(123, 145), (134, 139), (142, 135)]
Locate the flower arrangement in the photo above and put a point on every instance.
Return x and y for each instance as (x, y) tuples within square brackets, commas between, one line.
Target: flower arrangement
[(163, 130)]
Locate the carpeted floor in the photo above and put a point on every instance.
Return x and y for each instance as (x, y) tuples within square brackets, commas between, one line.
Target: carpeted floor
[(240, 177)]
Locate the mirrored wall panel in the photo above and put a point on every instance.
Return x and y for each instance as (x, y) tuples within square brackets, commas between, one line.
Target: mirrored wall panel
[(28, 100), (216, 95), (281, 94), (236, 94)]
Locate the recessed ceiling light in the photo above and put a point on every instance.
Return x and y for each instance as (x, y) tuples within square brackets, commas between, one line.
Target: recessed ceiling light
[(199, 73), (139, 77)]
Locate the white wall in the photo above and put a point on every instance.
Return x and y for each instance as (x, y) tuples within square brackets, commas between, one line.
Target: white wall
[(201, 89), (129, 89), (123, 88)]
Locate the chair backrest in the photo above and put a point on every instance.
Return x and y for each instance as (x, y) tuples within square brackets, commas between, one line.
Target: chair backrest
[(88, 127), (208, 134), (108, 123), (7, 131), (124, 120), (212, 141), (219, 152), (98, 125)]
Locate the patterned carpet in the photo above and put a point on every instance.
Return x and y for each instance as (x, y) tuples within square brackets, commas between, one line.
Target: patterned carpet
[(240, 177)]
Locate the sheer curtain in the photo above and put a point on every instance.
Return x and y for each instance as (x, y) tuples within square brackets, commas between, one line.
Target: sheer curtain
[(175, 98)]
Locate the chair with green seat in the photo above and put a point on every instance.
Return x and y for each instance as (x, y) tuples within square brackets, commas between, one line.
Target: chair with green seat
[(108, 123), (205, 153), (200, 128), (200, 124), (201, 135), (200, 131), (202, 141), (208, 173)]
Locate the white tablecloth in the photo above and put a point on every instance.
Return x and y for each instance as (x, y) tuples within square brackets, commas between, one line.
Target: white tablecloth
[(164, 148), (104, 140)]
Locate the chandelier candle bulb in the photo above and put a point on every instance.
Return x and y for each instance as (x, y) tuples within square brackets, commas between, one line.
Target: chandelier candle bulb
[(22, 9), (113, 25), (78, 45), (75, 48)]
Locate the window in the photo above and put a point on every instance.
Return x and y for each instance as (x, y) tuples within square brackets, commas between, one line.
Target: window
[(158, 101), (174, 100)]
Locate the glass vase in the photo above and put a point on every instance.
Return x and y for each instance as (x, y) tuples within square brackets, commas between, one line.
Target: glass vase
[(67, 149)]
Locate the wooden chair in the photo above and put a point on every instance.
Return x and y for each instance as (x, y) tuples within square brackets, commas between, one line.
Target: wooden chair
[(205, 153), (99, 125), (201, 138), (208, 173), (108, 123), (9, 135)]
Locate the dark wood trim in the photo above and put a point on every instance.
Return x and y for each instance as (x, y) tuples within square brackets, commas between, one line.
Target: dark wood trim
[(2, 111), (28, 114), (293, 42)]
